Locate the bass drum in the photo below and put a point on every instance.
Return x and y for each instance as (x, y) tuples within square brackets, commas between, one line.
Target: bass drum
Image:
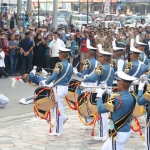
[(87, 103), (73, 91), (44, 99)]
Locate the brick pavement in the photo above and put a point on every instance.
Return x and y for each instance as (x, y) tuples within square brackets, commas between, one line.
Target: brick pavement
[(32, 134)]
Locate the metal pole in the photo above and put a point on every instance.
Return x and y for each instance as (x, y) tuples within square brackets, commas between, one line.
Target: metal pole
[(87, 11), (55, 9), (46, 7), (38, 14), (79, 6), (1, 6), (19, 7)]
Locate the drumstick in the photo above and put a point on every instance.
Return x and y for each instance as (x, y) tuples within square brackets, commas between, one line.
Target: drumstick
[(77, 64)]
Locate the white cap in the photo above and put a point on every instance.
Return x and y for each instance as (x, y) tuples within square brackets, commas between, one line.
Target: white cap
[(149, 45), (124, 77), (103, 52), (141, 44), (89, 46), (132, 43), (63, 49), (134, 50)]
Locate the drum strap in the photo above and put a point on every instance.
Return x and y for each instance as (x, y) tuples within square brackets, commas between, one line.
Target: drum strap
[(120, 123), (110, 70), (63, 75), (96, 63), (139, 66)]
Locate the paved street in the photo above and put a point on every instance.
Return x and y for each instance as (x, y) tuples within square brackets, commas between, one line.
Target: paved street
[(20, 130)]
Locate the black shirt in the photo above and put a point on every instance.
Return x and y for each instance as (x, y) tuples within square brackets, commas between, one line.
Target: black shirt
[(147, 51), (26, 44)]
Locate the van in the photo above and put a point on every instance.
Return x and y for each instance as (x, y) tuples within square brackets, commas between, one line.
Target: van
[(108, 23), (78, 20)]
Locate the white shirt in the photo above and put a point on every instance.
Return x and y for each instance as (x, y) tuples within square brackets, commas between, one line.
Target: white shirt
[(142, 25), (54, 46), (2, 63)]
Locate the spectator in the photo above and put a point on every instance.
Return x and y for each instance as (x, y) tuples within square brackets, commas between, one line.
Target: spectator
[(73, 44), (4, 44), (54, 49), (2, 63), (23, 18), (26, 46), (47, 50), (147, 48), (142, 24), (13, 54), (26, 24), (84, 49), (48, 20), (39, 51), (12, 22)]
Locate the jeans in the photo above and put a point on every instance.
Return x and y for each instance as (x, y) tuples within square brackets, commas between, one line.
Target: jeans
[(13, 63), (26, 64), (3, 72), (6, 59)]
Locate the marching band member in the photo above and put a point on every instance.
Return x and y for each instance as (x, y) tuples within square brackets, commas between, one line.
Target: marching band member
[(3, 101), (88, 69), (121, 107), (144, 99), (143, 58), (103, 73), (59, 81)]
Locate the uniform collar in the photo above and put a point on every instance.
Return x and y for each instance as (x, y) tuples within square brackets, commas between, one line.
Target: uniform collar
[(64, 60), (124, 92), (92, 58)]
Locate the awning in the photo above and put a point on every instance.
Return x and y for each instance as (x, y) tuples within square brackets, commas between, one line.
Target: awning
[(146, 4)]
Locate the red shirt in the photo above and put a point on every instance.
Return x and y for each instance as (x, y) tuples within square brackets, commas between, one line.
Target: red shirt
[(83, 48)]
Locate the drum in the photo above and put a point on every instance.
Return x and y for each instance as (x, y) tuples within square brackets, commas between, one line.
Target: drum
[(73, 91), (87, 103), (44, 99), (139, 111)]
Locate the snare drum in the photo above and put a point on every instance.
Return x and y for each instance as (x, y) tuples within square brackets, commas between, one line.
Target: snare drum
[(44, 99), (87, 103), (73, 91)]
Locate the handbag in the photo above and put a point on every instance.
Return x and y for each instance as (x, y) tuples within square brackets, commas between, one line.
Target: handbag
[(17, 52)]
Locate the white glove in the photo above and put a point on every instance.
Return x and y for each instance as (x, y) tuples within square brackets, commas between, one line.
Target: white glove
[(141, 85), (82, 84), (42, 83), (34, 70), (86, 76), (75, 70), (44, 72), (100, 92), (143, 78), (103, 85)]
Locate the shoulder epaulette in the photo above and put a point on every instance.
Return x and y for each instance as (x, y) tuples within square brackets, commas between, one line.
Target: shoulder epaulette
[(113, 63), (58, 67), (128, 67), (99, 70), (86, 64)]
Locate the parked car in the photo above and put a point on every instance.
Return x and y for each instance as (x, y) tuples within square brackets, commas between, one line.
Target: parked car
[(78, 20), (61, 23)]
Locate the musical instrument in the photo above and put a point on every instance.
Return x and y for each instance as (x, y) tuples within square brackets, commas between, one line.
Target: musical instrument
[(44, 99), (73, 93), (87, 103)]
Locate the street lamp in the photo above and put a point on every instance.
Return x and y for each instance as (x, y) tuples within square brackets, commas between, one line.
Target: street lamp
[(38, 14), (87, 11)]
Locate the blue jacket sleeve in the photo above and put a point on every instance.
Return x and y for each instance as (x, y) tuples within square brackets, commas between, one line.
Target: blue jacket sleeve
[(85, 72), (141, 99), (100, 106), (93, 78), (52, 78), (30, 77)]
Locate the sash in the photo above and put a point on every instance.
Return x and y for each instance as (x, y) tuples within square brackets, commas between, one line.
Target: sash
[(109, 74), (94, 68), (137, 69), (63, 75)]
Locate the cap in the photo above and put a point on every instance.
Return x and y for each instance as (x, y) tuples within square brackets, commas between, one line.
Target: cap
[(124, 77), (115, 48), (89, 46), (103, 52), (63, 49), (141, 44), (134, 50), (27, 33)]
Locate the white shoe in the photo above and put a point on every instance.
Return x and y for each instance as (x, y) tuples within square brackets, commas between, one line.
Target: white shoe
[(86, 127), (97, 138), (65, 119), (23, 101), (54, 134), (144, 144), (104, 138)]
